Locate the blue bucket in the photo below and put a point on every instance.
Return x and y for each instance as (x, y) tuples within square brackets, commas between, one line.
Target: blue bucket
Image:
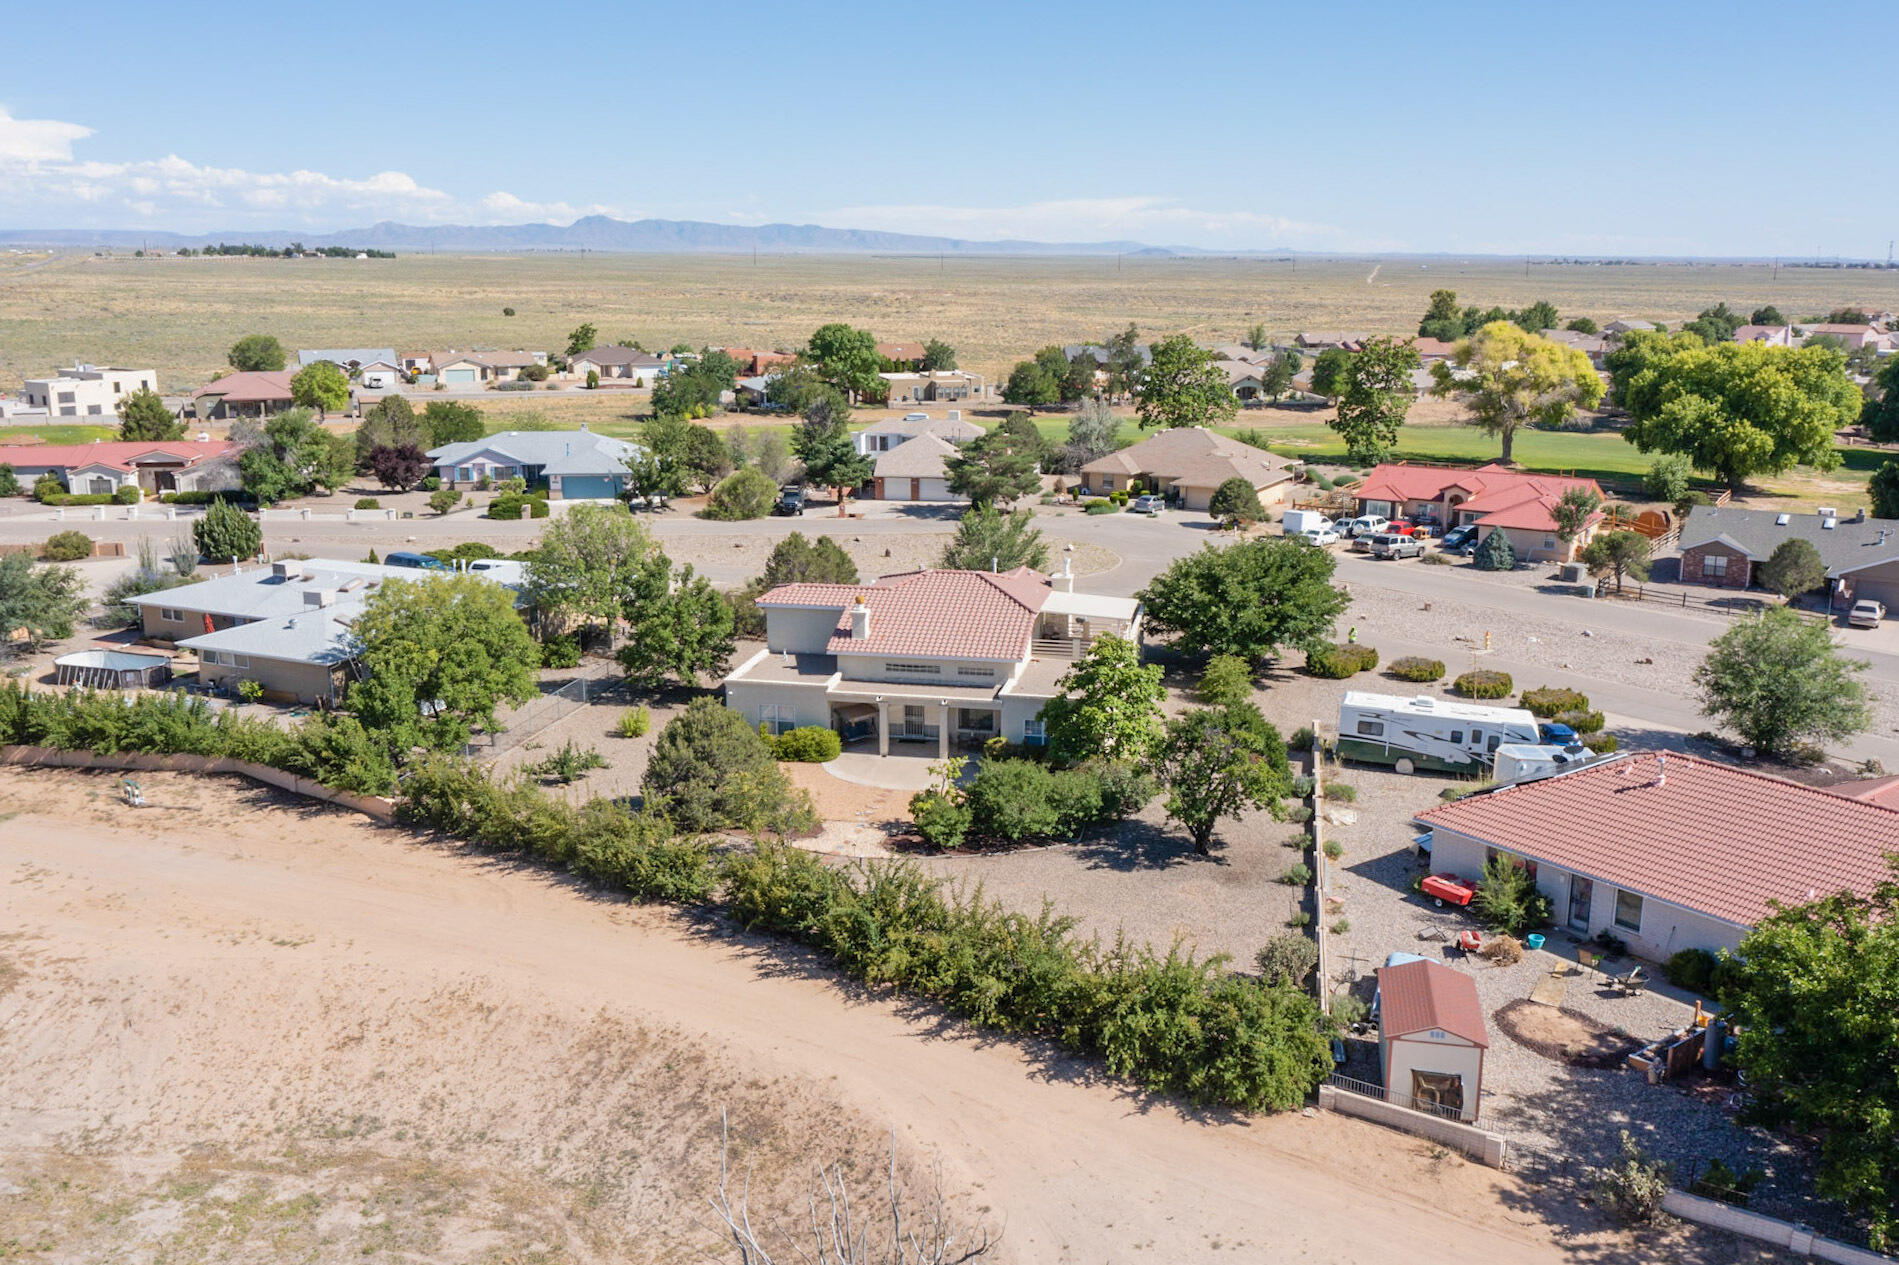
[(1534, 940)]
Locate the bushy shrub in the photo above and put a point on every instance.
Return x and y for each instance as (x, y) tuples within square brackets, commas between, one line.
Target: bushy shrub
[(1604, 743), (368, 503), (226, 532), (636, 723), (1693, 969), (746, 493), (1301, 739), (1334, 849), (560, 652), (1416, 669), (127, 494), (1297, 874), (1018, 800), (1547, 701), (1508, 898), (1438, 559), (433, 483), (47, 485), (1287, 959), (67, 546), (1098, 505), (9, 479), (1632, 1189), (808, 744), (1302, 787), (1483, 683), (1341, 792), (1583, 722), (941, 817), (1339, 661), (569, 763), (1495, 552), (537, 507), (710, 770), (507, 507)]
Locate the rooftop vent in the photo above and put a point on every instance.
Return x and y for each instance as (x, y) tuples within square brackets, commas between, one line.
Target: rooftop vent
[(1426, 701), (1781, 520), (1828, 511), (1828, 524), (318, 597)]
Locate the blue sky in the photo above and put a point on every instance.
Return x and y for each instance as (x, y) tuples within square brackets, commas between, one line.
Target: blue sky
[(1615, 128)]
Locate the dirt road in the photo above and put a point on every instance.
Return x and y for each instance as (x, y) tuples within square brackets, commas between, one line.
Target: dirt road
[(178, 978)]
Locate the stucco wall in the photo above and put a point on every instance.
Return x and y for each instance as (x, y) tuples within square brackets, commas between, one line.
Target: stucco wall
[(875, 668), (306, 682), (800, 704), (800, 630)]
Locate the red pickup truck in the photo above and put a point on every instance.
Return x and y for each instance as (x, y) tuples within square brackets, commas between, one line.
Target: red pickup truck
[(1448, 889)]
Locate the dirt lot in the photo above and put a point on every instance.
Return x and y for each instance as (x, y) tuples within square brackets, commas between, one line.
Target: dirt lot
[(294, 1035)]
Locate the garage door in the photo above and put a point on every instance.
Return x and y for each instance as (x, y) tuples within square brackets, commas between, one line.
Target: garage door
[(575, 487), (461, 377), (1886, 591)]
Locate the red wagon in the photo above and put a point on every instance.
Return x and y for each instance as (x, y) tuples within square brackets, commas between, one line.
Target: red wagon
[(1448, 889)]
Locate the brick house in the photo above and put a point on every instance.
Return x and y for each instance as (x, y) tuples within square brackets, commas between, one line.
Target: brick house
[(1723, 546)]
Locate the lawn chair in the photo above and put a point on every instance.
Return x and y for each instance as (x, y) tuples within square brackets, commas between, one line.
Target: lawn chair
[(133, 792), (1588, 963)]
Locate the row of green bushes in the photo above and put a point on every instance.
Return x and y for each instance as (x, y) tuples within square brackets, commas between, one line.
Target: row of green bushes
[(1098, 505), (807, 744), (234, 496), (1020, 800)]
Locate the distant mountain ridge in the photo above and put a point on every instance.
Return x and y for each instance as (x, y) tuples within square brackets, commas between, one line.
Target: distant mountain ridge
[(601, 233)]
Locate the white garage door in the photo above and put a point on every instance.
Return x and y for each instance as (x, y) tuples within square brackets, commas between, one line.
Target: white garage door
[(462, 377)]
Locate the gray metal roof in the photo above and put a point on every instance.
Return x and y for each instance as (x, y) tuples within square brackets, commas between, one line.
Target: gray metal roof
[(555, 451), (258, 593), (345, 356), (322, 637), (1847, 546)]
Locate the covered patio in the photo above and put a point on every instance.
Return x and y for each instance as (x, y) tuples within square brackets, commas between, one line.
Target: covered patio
[(934, 718)]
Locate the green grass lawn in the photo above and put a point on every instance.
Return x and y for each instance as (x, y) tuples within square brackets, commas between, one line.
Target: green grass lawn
[(57, 434)]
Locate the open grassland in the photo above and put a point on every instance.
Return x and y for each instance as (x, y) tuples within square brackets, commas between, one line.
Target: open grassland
[(179, 315)]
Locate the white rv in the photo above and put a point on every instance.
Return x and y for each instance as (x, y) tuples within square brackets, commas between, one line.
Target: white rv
[(1427, 733), (1517, 762)]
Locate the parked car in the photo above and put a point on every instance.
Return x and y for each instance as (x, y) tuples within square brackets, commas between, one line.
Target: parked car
[(1299, 522), (1866, 613), (1555, 734), (420, 561), (1391, 545), (1460, 537), (790, 503), (1363, 525), (1320, 536), (1148, 503)]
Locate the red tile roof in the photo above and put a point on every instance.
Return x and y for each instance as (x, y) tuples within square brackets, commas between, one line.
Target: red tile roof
[(1883, 791), (1706, 836), (1505, 497), (1425, 996), (936, 614), (120, 455)]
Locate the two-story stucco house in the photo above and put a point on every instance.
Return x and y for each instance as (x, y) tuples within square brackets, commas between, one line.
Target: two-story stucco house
[(929, 657)]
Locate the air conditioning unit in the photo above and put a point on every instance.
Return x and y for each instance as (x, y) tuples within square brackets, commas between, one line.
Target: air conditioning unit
[(1572, 572)]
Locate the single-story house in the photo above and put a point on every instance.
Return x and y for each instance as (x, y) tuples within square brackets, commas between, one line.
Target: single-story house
[(640, 368), (1189, 463), (472, 368), (915, 470), (1321, 339), (575, 464), (1666, 851), (1590, 345), (170, 465), (1431, 1039), (349, 359), (1494, 497), (1626, 325), (1100, 353), (1854, 336), (753, 363), (249, 394), (938, 385), (414, 362), (1244, 354), (1243, 379), (379, 375), (930, 657), (886, 435), (1724, 546), (1772, 335), (1430, 349), (288, 626), (902, 355)]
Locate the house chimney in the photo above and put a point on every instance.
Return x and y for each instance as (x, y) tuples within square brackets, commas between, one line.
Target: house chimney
[(860, 621)]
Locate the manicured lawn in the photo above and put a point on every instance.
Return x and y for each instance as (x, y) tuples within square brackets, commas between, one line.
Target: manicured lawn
[(57, 434)]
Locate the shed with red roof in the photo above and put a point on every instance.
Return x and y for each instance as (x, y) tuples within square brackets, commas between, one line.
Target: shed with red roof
[(1431, 1039)]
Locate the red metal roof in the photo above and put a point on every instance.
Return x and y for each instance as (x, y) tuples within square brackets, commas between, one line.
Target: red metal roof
[(1706, 836), (119, 455), (934, 614), (1418, 997)]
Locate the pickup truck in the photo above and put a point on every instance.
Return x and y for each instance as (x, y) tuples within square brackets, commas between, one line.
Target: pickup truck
[(1392, 545)]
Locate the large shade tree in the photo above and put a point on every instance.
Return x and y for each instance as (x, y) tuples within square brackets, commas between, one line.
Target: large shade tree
[(1183, 385), (1375, 397), (1252, 599), (1107, 705), (1508, 378), (589, 565), (1780, 683)]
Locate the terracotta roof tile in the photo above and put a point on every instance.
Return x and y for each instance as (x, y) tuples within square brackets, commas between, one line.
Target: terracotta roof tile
[(119, 455), (1422, 996), (1696, 833), (939, 614)]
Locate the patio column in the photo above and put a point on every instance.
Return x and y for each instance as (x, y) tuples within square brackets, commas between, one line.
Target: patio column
[(883, 727), (943, 735)]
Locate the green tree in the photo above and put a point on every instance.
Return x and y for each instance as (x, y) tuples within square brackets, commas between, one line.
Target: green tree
[(143, 417), (441, 654), (1508, 378), (1183, 386), (295, 457), (1637, 351), (9, 479), (1256, 337), (847, 359), (1582, 325), (1444, 319), (583, 339), (1374, 397), (1216, 762), (1618, 554), (1716, 324), (1780, 683), (1250, 599), (450, 422), (696, 388), (1795, 567), (1077, 380), (1881, 413), (1769, 315), (1093, 432), (744, 494), (938, 356), (44, 601), (1227, 682), (678, 626), (995, 469), (256, 353), (1108, 705), (1813, 992), (1885, 490), (710, 770), (589, 566), (226, 532), (1573, 510), (442, 500), (1495, 552), (1668, 478), (390, 423), (831, 460), (795, 560), (987, 538), (1537, 317), (1742, 409), (320, 385), (1236, 503), (1026, 438), (1030, 385), (1329, 370), (1275, 376)]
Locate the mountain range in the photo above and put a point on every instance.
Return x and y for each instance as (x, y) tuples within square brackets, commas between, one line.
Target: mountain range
[(595, 232)]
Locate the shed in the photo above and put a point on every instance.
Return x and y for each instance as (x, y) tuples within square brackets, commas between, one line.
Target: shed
[(1431, 1039), (113, 669)]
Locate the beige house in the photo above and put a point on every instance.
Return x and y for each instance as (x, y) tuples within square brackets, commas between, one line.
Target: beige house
[(1431, 1039), (931, 658), (248, 394), (939, 386), (86, 390), (1188, 464), (915, 471)]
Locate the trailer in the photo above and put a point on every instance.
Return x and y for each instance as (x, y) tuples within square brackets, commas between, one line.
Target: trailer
[(1425, 733)]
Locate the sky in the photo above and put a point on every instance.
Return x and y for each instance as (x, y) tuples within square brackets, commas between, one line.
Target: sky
[(1620, 129)]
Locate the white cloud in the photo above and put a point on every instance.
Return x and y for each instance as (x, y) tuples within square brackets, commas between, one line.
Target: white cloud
[(42, 184), (1161, 221)]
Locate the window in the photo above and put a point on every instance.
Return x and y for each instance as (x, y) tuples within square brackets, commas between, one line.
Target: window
[(778, 717), (1628, 911), (1033, 734), (239, 660), (1549, 542), (65, 397), (211, 656), (988, 674), (171, 614), (93, 410), (1476, 737), (463, 474), (1457, 737), (1107, 483), (914, 669), (1371, 728), (1714, 566)]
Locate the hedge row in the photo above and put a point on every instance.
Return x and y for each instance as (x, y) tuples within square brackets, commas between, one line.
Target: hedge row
[(807, 744)]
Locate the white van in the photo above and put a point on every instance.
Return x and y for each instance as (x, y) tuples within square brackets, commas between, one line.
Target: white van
[(1304, 522)]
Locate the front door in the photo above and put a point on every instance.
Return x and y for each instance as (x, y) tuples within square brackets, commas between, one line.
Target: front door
[(1581, 893)]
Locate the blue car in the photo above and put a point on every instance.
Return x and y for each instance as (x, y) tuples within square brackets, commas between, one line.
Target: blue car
[(420, 561), (1556, 735)]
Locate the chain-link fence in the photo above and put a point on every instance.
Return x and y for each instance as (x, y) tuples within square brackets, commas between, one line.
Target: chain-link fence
[(532, 718)]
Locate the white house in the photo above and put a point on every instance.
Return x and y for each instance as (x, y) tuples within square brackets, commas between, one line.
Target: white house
[(86, 390), (885, 435), (349, 359), (1668, 852), (929, 657), (914, 471), (575, 464), (380, 375), (1431, 1039)]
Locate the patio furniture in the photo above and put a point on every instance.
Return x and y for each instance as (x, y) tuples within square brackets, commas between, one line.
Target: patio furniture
[(1470, 941)]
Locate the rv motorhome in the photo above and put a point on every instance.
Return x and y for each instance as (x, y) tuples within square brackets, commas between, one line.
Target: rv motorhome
[(1427, 733)]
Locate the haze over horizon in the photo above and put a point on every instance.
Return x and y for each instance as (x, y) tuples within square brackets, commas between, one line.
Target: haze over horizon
[(1383, 129)]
